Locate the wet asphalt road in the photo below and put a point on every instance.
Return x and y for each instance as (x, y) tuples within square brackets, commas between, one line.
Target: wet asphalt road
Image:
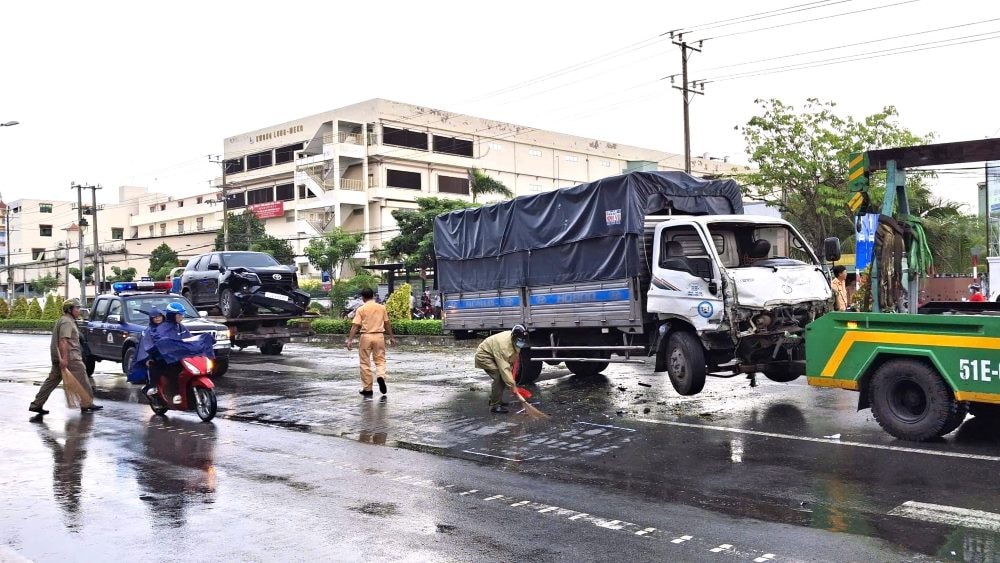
[(624, 468)]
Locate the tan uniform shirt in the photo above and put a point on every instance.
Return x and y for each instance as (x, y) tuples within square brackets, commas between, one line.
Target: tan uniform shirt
[(371, 317), (498, 353), (840, 294), (65, 327)]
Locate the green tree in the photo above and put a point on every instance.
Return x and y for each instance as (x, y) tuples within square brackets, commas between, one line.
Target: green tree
[(121, 275), (34, 310), (398, 304), (49, 307), (342, 290), (4, 309), (330, 251), (20, 309), (44, 284), (276, 247), (161, 261), (481, 184), (88, 271), (414, 245), (801, 160), (245, 229)]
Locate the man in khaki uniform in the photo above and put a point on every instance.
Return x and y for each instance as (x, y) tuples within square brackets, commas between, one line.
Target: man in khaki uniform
[(66, 354), (496, 356), (373, 322)]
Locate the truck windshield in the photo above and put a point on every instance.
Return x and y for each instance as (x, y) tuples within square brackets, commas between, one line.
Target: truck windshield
[(749, 244), (248, 260), (137, 308)]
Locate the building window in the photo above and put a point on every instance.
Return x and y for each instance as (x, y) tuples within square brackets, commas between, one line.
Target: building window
[(570, 158), (180, 227), (236, 201), (606, 163), (45, 208), (199, 224), (496, 146), (535, 187), (180, 203), (402, 179), (449, 185), (200, 200), (234, 166), (259, 160), (163, 207), (404, 138), (286, 153), (38, 254), (285, 192), (163, 229), (44, 230), (151, 230), (305, 192), (262, 195), (450, 145), (534, 152), (290, 219), (117, 233)]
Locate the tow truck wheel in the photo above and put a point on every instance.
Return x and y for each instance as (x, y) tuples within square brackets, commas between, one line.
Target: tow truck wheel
[(127, 358), (228, 304), (586, 369), (781, 373), (271, 348), (911, 401), (528, 372), (686, 363)]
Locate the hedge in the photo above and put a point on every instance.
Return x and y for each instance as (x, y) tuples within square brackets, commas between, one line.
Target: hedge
[(343, 326), (24, 324)]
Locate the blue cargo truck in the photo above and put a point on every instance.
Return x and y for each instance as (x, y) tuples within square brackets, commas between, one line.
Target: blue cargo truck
[(656, 265)]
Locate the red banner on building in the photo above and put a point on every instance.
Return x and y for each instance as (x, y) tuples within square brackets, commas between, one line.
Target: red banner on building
[(268, 210)]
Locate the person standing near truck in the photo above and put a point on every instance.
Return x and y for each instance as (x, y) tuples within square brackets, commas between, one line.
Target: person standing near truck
[(66, 357), (373, 321), (496, 356)]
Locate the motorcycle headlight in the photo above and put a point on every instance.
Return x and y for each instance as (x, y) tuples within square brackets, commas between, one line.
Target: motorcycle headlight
[(191, 367)]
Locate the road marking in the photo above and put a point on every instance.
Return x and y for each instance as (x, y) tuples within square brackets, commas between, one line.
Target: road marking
[(645, 531), (521, 503), (682, 539), (494, 497), (819, 440), (608, 426), (764, 558), (578, 516), (951, 515), (549, 509), (469, 492), (491, 455), (721, 548)]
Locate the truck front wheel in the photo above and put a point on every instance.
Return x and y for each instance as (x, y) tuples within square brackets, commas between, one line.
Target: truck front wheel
[(911, 401), (127, 357), (686, 363), (527, 371)]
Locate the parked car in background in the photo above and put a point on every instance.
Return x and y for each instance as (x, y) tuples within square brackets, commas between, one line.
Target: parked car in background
[(242, 283)]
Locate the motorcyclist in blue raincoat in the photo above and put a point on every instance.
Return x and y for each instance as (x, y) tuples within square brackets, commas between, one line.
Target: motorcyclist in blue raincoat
[(138, 372), (162, 349)]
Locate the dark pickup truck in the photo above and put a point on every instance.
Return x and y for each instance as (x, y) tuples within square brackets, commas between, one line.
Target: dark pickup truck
[(114, 325), (241, 283)]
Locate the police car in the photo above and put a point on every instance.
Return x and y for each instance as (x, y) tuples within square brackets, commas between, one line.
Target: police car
[(114, 324)]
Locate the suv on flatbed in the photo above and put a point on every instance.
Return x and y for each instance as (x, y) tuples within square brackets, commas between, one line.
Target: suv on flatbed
[(115, 323), (239, 283)]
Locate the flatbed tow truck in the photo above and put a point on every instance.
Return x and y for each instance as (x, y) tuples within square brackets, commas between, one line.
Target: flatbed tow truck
[(921, 370), (269, 333)]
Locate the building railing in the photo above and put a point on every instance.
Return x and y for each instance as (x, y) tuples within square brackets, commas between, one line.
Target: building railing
[(343, 137), (352, 184)]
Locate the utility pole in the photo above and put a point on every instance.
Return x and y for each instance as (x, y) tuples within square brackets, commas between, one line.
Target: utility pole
[(93, 228), (688, 90), (80, 222), (225, 201)]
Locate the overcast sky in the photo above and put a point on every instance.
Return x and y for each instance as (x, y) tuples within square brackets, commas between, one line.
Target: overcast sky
[(138, 93)]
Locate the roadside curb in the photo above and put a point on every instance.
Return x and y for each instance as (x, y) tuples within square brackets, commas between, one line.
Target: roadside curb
[(404, 339), (23, 331)]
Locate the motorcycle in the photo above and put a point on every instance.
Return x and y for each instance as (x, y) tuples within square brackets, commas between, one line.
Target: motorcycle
[(193, 385)]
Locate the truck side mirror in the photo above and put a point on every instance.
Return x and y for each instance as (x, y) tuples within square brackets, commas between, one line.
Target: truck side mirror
[(831, 249)]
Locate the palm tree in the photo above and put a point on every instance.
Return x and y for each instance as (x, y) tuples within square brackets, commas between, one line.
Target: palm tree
[(481, 184)]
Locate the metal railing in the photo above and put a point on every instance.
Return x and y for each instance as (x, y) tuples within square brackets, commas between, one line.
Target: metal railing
[(352, 184), (343, 137)]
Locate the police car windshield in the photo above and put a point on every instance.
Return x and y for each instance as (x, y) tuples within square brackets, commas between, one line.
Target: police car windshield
[(248, 260), (137, 308)]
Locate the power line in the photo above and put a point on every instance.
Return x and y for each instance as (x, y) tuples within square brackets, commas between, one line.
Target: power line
[(762, 15)]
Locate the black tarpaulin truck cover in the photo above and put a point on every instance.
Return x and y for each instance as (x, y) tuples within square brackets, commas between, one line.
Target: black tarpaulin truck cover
[(584, 233)]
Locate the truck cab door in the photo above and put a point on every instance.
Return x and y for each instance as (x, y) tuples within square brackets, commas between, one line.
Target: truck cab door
[(686, 281)]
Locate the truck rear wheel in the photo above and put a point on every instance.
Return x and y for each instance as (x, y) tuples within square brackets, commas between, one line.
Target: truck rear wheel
[(586, 369), (686, 363), (528, 371), (911, 401), (271, 348)]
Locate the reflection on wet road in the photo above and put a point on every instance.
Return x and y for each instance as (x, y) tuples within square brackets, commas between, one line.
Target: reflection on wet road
[(780, 453)]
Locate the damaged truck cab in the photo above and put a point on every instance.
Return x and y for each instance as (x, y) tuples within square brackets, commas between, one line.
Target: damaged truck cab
[(645, 266)]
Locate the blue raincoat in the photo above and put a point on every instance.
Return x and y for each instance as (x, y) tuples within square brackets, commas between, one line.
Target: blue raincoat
[(169, 342)]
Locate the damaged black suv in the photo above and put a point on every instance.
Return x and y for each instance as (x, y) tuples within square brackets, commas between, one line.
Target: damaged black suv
[(239, 283)]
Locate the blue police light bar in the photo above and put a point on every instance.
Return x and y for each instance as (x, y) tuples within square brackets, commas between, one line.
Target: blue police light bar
[(118, 287)]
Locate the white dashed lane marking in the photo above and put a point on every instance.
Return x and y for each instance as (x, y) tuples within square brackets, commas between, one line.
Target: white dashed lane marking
[(721, 548), (950, 515), (682, 539), (764, 558)]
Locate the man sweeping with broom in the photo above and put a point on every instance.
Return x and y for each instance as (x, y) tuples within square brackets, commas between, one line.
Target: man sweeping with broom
[(496, 356)]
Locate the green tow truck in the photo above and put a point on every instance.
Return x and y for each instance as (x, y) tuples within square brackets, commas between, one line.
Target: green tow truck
[(921, 370)]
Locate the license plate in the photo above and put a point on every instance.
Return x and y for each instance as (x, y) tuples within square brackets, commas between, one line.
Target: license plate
[(277, 296)]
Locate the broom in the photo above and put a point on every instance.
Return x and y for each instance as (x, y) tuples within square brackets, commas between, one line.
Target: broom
[(527, 409)]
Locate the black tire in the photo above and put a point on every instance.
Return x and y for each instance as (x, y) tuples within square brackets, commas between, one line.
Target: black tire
[(221, 367), (205, 403), (90, 363), (528, 371), (551, 363), (228, 304), (956, 419), (271, 348), (127, 356), (985, 411), (686, 363), (586, 369), (911, 401), (157, 405), (186, 294), (781, 373)]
